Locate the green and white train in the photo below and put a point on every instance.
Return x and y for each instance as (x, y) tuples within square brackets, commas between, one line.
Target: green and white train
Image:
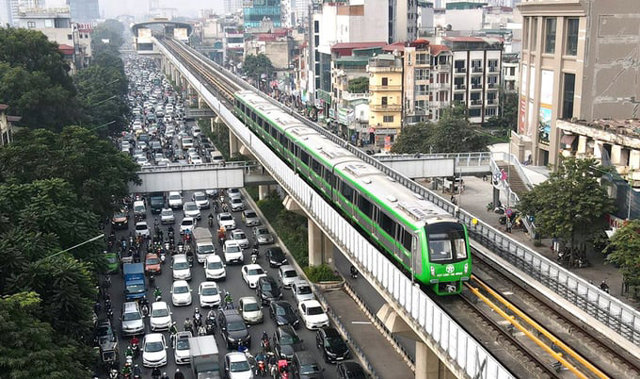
[(400, 222)]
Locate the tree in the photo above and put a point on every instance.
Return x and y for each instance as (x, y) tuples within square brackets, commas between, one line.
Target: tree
[(107, 35), (30, 348), (359, 85), (258, 66), (414, 139), (95, 169), (625, 252), (508, 119), (451, 134), (571, 205)]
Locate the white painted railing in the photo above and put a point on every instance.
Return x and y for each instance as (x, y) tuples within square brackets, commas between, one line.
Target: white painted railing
[(431, 322)]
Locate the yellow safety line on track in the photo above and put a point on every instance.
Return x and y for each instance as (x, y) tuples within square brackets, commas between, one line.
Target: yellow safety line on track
[(537, 327)]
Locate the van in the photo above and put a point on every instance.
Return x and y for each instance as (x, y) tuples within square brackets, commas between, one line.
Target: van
[(216, 157), (139, 210), (132, 322)]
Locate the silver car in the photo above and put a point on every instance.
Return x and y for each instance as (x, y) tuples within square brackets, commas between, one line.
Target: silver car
[(250, 218), (191, 209), (262, 235), (167, 217), (237, 204), (132, 322)]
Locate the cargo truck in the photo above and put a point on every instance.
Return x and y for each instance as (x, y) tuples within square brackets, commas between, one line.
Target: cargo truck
[(203, 243), (134, 284), (156, 202), (204, 357)]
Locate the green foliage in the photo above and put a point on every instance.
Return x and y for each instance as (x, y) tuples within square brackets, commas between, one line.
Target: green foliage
[(30, 348), (359, 85), (509, 109), (322, 273), (107, 36), (256, 66), (219, 136), (93, 167), (571, 204), (451, 134), (291, 227), (625, 252)]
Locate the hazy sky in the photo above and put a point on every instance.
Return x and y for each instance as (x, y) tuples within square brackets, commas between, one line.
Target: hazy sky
[(112, 8)]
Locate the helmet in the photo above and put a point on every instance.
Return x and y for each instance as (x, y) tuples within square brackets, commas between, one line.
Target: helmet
[(197, 310), (177, 370)]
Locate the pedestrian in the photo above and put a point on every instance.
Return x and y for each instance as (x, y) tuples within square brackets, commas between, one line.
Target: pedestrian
[(178, 374)]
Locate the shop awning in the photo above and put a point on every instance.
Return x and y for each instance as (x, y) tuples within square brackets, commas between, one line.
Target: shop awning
[(568, 139)]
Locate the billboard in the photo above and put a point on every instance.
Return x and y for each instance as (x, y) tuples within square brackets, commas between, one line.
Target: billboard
[(180, 34), (144, 35), (546, 99), (522, 112)]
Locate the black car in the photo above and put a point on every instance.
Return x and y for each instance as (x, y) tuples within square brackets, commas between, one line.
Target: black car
[(233, 328), (350, 370), (268, 290), (305, 366), (283, 314), (286, 342), (276, 257), (333, 347), (104, 334)]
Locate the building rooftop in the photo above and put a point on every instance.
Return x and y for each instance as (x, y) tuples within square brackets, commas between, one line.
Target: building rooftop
[(3, 107), (357, 45), (66, 49), (629, 127), (437, 49)]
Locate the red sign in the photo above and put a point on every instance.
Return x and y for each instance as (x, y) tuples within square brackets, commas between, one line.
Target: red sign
[(523, 111)]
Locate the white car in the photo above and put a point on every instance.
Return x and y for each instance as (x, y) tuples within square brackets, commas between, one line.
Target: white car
[(234, 193), (181, 267), (313, 314), (237, 204), (180, 293), (167, 217), (209, 294), (214, 269), (142, 228), (250, 310), (287, 275), (201, 200), (181, 348), (196, 159), (154, 350), (190, 209), (240, 237), (251, 273), (175, 200), (226, 220), (301, 291), (232, 252), (188, 223), (160, 318), (236, 366)]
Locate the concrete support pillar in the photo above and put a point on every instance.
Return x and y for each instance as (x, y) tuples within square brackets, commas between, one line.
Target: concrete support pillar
[(616, 154), (320, 246), (213, 124), (200, 102), (263, 191), (233, 144), (428, 365)]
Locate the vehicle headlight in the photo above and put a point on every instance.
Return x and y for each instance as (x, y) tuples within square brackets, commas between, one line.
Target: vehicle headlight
[(433, 270), (466, 267)]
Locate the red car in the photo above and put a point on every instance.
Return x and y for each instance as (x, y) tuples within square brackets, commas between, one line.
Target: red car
[(152, 264)]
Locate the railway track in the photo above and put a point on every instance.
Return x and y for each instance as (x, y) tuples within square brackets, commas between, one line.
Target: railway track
[(527, 335)]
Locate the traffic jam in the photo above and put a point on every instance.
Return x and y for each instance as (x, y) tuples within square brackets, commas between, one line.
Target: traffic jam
[(197, 286)]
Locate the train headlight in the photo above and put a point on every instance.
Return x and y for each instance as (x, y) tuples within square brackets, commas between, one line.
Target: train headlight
[(433, 271), (466, 267)]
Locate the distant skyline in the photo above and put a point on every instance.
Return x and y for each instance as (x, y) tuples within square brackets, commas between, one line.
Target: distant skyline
[(113, 8)]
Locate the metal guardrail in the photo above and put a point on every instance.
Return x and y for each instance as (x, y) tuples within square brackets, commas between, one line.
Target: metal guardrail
[(426, 318), (200, 166), (619, 316)]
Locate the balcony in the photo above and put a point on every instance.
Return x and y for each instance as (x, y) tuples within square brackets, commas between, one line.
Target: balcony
[(460, 87), (460, 70), (385, 107), (442, 67), (373, 88), (476, 86), (440, 86), (492, 85), (476, 103), (477, 70), (492, 101), (493, 69)]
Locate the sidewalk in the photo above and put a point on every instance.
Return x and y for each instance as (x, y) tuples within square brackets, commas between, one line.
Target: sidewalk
[(478, 194), (386, 362)]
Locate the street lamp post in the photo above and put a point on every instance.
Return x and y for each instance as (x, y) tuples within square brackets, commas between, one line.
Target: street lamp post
[(70, 248)]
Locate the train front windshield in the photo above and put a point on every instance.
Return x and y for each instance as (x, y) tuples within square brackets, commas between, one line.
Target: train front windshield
[(447, 242)]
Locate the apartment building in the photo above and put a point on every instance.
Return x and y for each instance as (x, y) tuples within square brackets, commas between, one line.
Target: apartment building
[(510, 72), (385, 100), (476, 71), (256, 12), (576, 64), (6, 125)]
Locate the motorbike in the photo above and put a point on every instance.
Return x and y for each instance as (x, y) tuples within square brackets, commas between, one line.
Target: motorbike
[(354, 272), (210, 325), (137, 372), (261, 368), (113, 373), (265, 344), (254, 255)]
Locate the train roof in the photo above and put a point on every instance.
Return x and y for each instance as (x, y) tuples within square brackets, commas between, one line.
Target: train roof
[(403, 201), (409, 205)]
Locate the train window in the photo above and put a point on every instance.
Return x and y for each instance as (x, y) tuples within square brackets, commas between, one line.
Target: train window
[(317, 168), (261, 123), (296, 150), (329, 177), (446, 242), (365, 206), (283, 139), (254, 116), (347, 192), (406, 239), (386, 223), (274, 132), (304, 157)]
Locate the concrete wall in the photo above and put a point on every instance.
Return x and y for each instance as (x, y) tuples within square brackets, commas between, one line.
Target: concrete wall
[(465, 19)]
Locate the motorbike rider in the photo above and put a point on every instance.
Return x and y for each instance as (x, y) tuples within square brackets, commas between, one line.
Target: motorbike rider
[(265, 337), (137, 372), (604, 286), (164, 375), (178, 374), (210, 219), (354, 271), (188, 325), (228, 300), (197, 317), (155, 374), (157, 294), (135, 345)]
